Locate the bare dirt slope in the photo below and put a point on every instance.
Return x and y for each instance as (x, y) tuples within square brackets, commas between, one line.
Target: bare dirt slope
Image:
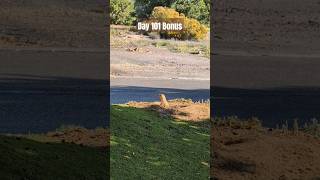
[(158, 63), (262, 154), (52, 23)]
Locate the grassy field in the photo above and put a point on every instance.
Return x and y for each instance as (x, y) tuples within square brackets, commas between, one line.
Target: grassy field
[(147, 146), (26, 159)]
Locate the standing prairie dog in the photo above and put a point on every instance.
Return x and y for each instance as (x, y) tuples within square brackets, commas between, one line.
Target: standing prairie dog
[(163, 101)]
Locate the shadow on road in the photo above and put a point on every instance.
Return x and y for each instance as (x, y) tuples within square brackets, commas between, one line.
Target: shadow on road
[(273, 106)]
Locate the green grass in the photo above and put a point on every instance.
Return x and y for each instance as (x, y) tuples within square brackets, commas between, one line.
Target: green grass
[(146, 146), (27, 159)]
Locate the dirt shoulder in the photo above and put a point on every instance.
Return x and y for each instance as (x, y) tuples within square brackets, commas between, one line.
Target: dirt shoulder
[(158, 64), (267, 26)]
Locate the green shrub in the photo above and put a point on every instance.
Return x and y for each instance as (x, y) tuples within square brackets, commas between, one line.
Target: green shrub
[(144, 7), (197, 9), (193, 29), (122, 12)]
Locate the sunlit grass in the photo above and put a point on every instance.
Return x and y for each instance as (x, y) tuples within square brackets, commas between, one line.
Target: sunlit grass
[(147, 146)]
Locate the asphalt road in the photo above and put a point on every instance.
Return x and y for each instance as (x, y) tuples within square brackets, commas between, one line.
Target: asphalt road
[(273, 88), (120, 95), (41, 90), (148, 89)]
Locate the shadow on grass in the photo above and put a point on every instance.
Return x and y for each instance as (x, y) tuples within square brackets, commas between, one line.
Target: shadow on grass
[(145, 145), (26, 159)]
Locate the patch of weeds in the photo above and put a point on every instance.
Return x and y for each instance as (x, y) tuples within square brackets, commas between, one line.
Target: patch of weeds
[(237, 123), (184, 47), (312, 127), (140, 43), (160, 43)]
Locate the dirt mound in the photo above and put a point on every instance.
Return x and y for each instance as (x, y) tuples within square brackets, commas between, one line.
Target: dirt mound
[(96, 138), (242, 153), (179, 109)]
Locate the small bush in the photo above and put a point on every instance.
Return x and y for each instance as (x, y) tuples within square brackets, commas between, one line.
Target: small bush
[(193, 29), (122, 12)]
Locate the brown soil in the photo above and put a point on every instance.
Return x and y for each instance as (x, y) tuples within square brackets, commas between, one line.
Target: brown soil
[(242, 153), (94, 138), (185, 110)]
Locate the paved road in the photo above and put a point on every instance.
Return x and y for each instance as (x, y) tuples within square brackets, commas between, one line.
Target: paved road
[(137, 89), (41, 90), (273, 88), (121, 95), (148, 89)]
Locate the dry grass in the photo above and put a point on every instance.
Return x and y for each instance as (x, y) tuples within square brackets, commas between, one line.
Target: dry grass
[(237, 123)]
